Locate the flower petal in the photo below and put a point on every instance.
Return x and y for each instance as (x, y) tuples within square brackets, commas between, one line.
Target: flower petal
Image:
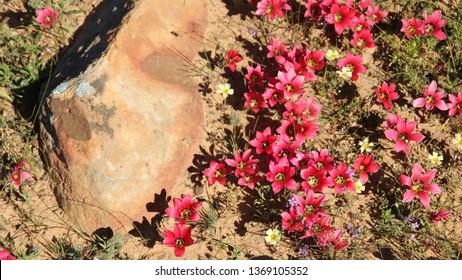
[(424, 199), (408, 196)]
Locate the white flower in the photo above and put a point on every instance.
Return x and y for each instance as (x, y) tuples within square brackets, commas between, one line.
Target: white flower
[(225, 90), (457, 141), (272, 236), (435, 158), (365, 145), (332, 54), (345, 73), (359, 187)]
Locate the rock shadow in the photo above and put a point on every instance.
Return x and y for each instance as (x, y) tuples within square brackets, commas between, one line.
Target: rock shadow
[(147, 230)]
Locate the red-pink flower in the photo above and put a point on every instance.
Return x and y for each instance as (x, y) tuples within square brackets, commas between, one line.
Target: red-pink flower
[(340, 178), (46, 17), (180, 238), (386, 94), (341, 17), (360, 6), (272, 8), (314, 179), (263, 141), (280, 175), (277, 50), (216, 172), (433, 24), (403, 135), (412, 27), (309, 206), (314, 60), (273, 96), (316, 225), (353, 64), (432, 99), (290, 221), (254, 101), (365, 165), (185, 210), (374, 14), (254, 75), (438, 216), (243, 164), (362, 39), (392, 121), (419, 185), (322, 160), (249, 180), (20, 173), (233, 57), (455, 107), (290, 83), (332, 238), (5, 255)]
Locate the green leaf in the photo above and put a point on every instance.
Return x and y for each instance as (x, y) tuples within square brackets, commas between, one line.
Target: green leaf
[(5, 96)]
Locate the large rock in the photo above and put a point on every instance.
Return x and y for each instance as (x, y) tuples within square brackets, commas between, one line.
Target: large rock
[(122, 119)]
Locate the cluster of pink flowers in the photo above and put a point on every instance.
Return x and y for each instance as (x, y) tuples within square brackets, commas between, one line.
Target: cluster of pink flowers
[(184, 211), (430, 25), (433, 98)]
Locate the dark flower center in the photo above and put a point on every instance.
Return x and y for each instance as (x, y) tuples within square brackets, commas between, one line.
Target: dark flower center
[(16, 176), (359, 27), (264, 144), (241, 165), (280, 177), (185, 214), (383, 96), (319, 165), (253, 103), (402, 137), (289, 88), (430, 100), (269, 9), (374, 17), (311, 63), (458, 107), (276, 96), (179, 242), (429, 28), (254, 78), (290, 130), (339, 180), (360, 42), (362, 167), (316, 228), (219, 174), (47, 19), (283, 153), (410, 29), (248, 177), (350, 67), (309, 209)]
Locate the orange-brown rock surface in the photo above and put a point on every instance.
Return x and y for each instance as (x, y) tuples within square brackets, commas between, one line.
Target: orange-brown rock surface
[(122, 119)]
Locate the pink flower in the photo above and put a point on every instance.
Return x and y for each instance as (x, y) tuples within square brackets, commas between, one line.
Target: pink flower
[(290, 221), (360, 23), (233, 57), (432, 99), (179, 239), (185, 210), (375, 15), (365, 165), (392, 121), (362, 39), (263, 142), (438, 216), (317, 225), (314, 179), (433, 24), (243, 164), (277, 50), (254, 101), (455, 107), (280, 175), (314, 60), (386, 94), (46, 17), (360, 6), (290, 83), (419, 185), (341, 17), (322, 160), (332, 239), (309, 206), (353, 63), (403, 135), (412, 27), (254, 75), (340, 178), (5, 255), (19, 173), (272, 8), (249, 180), (216, 172), (273, 96)]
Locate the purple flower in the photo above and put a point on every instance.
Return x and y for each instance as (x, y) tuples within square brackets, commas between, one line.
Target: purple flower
[(292, 202), (415, 225), (304, 251)]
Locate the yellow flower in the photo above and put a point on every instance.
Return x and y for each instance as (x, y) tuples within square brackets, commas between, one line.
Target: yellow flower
[(457, 141), (359, 187), (435, 158), (272, 236), (225, 90), (365, 145), (332, 54), (345, 74)]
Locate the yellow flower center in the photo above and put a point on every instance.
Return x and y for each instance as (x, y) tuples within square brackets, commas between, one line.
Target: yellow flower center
[(316, 228), (276, 96), (402, 137), (179, 242), (416, 188), (269, 9), (359, 27), (264, 144), (350, 67), (48, 19), (338, 17), (309, 209), (313, 181), (319, 165), (362, 167), (253, 103), (280, 177), (311, 63), (430, 100), (185, 214), (429, 28), (219, 174), (339, 180), (410, 29), (360, 42), (289, 88)]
